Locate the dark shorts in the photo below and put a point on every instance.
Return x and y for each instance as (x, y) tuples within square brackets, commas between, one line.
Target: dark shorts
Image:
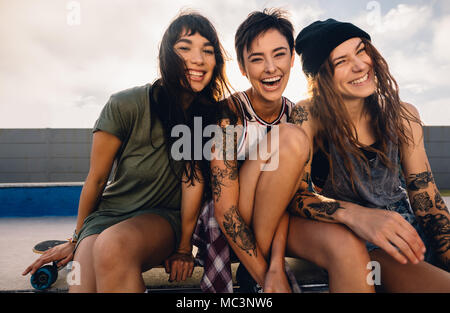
[(403, 207), (98, 221)]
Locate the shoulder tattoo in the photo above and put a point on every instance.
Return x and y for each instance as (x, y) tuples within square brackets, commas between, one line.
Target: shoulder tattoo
[(298, 115)]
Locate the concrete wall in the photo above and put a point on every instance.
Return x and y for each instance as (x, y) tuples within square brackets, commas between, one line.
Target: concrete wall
[(44, 155), (437, 145), (62, 155)]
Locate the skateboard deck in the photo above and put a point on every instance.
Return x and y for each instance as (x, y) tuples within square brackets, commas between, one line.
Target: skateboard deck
[(43, 246)]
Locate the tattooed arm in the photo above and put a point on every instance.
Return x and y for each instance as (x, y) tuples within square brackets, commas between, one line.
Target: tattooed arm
[(386, 229), (225, 190), (307, 203), (426, 201)]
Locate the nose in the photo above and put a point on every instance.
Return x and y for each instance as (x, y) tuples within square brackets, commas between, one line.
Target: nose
[(269, 66), (358, 65), (196, 56)]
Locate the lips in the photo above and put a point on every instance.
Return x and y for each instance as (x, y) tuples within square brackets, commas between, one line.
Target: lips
[(360, 80), (196, 75), (271, 83)]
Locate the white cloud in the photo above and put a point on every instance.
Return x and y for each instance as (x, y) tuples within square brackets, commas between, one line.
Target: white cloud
[(436, 112), (56, 75), (441, 43)]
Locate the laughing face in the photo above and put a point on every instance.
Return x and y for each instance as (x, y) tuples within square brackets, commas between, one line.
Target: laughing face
[(267, 65), (353, 70), (199, 57)]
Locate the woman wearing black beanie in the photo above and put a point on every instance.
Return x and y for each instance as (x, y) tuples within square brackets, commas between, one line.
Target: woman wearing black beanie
[(362, 134)]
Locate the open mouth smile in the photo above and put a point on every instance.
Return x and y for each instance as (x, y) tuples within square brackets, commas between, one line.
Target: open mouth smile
[(361, 80), (271, 83), (196, 75)]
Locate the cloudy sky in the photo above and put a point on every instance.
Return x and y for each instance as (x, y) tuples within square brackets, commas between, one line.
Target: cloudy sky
[(60, 60)]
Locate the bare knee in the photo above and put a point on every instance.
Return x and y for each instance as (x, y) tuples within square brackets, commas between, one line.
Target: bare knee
[(110, 251), (345, 247), (294, 142)]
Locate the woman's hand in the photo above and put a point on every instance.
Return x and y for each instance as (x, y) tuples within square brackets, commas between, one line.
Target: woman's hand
[(388, 230), (62, 253), (180, 266)]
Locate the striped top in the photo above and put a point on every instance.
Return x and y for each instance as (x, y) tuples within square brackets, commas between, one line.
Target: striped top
[(254, 127)]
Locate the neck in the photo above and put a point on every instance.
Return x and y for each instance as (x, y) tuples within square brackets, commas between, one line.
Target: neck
[(355, 108), (265, 109)]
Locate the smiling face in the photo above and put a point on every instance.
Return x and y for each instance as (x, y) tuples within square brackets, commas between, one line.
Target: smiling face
[(267, 65), (353, 70), (199, 57)]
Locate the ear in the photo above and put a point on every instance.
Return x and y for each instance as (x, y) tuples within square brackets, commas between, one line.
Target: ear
[(292, 59), (242, 69)]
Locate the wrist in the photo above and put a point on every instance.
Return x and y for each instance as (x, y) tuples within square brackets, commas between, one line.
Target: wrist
[(184, 249), (74, 238), (343, 215)]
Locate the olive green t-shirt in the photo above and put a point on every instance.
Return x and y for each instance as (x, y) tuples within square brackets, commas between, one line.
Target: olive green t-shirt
[(142, 177)]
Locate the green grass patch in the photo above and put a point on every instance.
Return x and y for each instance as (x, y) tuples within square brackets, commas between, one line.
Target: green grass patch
[(445, 193)]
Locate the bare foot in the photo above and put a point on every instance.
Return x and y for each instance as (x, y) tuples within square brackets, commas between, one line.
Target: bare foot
[(276, 282)]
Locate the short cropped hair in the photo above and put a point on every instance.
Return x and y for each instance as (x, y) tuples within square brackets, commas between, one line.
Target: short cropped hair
[(258, 23)]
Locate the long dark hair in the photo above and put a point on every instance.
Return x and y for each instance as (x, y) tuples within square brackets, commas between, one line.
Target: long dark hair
[(168, 92), (387, 114)]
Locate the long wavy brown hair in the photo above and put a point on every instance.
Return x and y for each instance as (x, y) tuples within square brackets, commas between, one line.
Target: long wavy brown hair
[(387, 114), (173, 86)]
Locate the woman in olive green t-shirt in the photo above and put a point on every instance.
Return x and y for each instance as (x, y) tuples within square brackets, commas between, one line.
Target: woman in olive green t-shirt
[(135, 222)]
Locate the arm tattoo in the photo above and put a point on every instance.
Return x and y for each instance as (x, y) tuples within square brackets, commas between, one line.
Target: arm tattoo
[(439, 202), (315, 211), (298, 115), (326, 207), (437, 227), (419, 181), (238, 230), (422, 202), (218, 177), (230, 172)]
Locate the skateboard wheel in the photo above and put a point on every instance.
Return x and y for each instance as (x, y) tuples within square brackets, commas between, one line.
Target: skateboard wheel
[(44, 277)]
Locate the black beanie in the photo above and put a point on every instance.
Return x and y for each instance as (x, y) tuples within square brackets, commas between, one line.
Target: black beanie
[(316, 41)]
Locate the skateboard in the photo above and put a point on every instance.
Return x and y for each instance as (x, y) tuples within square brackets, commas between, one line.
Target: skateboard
[(46, 275)]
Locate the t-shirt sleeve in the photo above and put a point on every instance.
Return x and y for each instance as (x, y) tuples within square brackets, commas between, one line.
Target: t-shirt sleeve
[(114, 118)]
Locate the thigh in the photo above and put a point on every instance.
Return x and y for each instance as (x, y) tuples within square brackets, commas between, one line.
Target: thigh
[(145, 240), (84, 257), (320, 242), (421, 277)]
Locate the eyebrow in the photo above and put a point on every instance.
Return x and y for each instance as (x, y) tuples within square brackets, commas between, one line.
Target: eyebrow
[(261, 54), (188, 41), (342, 57)]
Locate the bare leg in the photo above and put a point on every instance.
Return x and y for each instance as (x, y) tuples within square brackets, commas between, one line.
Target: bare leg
[(422, 277), (84, 256), (265, 195), (123, 251), (276, 280), (333, 247)]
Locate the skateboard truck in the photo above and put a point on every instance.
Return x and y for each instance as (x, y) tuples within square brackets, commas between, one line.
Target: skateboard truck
[(45, 276)]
